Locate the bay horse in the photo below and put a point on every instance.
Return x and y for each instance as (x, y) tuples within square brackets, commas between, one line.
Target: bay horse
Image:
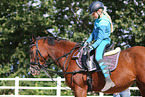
[(130, 68)]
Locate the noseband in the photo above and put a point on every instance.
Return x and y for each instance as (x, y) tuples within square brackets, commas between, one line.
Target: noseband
[(37, 61)]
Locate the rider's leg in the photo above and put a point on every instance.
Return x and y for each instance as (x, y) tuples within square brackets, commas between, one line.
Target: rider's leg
[(100, 49), (103, 65)]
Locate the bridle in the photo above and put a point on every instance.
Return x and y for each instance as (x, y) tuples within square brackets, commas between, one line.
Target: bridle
[(39, 67)]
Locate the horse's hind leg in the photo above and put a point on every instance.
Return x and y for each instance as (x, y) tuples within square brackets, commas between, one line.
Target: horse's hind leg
[(141, 88)]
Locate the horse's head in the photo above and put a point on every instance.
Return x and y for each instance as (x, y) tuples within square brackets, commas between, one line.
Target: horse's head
[(34, 67), (38, 55), (47, 47)]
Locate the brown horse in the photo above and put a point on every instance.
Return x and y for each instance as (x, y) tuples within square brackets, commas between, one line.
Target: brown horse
[(130, 69)]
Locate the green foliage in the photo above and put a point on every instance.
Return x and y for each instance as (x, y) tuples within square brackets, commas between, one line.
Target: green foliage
[(128, 18), (20, 19)]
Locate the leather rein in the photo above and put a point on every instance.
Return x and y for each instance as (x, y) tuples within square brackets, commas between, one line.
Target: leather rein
[(44, 66)]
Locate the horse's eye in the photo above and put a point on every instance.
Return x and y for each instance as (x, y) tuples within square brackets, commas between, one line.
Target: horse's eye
[(41, 60)]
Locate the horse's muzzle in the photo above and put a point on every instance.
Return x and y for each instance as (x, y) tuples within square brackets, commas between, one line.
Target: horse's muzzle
[(34, 69)]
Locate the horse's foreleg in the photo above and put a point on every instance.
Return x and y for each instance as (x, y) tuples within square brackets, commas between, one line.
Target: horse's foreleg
[(80, 91), (141, 88)]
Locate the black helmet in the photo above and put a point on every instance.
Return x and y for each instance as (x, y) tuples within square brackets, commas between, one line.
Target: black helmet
[(95, 6)]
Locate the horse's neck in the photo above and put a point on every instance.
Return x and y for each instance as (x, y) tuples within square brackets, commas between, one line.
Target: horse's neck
[(64, 47), (60, 49)]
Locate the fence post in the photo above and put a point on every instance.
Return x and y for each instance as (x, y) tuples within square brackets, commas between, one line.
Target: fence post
[(16, 86), (101, 94), (58, 86)]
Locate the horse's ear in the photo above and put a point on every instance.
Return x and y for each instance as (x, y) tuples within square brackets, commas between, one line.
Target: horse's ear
[(34, 38)]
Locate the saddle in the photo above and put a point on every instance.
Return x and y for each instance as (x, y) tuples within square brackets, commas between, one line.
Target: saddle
[(110, 55), (83, 57)]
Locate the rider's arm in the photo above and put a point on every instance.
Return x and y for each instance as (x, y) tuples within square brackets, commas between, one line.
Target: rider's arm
[(90, 38), (102, 34)]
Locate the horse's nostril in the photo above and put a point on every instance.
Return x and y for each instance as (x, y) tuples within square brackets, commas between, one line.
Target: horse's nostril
[(37, 72), (34, 71)]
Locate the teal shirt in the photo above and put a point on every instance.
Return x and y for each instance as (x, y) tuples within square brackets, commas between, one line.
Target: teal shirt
[(101, 31)]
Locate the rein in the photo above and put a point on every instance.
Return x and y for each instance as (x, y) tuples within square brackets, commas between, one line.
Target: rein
[(44, 68)]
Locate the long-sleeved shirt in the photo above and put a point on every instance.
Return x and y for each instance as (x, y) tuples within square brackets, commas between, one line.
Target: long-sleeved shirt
[(101, 31)]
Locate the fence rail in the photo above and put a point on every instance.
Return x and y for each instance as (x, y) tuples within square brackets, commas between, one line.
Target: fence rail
[(58, 88)]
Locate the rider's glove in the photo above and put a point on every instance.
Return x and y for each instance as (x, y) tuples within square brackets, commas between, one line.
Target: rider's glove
[(91, 48), (85, 44)]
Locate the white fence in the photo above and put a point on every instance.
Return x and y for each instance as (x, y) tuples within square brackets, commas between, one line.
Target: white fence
[(58, 87)]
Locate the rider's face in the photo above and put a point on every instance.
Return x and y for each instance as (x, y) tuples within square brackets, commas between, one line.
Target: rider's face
[(95, 15)]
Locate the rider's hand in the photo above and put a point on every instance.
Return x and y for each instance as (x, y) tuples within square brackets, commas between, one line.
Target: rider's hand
[(91, 48), (85, 44)]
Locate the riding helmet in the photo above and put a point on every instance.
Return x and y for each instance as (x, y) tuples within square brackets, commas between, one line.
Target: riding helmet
[(95, 6)]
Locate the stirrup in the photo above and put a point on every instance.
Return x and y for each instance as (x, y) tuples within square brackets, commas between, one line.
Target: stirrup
[(91, 66)]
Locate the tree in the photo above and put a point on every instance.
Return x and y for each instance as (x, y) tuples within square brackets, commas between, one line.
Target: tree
[(127, 16)]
